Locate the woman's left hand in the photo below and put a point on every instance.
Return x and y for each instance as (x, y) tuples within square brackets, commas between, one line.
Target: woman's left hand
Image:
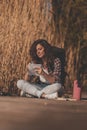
[(38, 70)]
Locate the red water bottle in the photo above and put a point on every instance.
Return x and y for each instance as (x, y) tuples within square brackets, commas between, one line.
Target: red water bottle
[(76, 90)]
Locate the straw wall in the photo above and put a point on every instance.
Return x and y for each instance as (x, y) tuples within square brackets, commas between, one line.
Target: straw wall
[(22, 22)]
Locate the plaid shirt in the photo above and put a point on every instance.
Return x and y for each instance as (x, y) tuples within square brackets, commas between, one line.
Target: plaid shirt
[(57, 70)]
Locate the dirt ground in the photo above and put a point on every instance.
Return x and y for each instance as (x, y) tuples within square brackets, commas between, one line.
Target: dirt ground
[(19, 113)]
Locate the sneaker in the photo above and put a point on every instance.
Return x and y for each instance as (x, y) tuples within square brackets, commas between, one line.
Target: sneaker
[(22, 94), (51, 96), (29, 96)]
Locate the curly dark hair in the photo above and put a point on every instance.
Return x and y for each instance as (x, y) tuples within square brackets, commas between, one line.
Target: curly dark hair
[(48, 52)]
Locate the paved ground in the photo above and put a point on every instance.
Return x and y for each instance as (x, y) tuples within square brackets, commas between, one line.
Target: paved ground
[(17, 113)]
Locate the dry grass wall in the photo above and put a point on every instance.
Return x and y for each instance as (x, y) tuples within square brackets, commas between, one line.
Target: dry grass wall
[(22, 22)]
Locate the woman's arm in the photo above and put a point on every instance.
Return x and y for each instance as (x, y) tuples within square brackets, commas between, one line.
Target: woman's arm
[(49, 77), (55, 75)]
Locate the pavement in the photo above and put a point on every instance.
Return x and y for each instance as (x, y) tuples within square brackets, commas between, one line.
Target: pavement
[(19, 113)]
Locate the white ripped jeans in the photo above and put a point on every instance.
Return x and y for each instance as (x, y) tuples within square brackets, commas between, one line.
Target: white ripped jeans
[(38, 89)]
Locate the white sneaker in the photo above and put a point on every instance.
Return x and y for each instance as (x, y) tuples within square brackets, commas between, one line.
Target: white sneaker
[(22, 93), (52, 96), (29, 96)]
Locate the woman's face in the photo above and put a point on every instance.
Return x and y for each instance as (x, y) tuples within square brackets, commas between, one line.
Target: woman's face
[(40, 51)]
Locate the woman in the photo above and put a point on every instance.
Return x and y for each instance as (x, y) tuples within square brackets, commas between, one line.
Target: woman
[(49, 72)]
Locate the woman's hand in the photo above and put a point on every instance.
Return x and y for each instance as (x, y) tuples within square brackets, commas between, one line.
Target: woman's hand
[(38, 70)]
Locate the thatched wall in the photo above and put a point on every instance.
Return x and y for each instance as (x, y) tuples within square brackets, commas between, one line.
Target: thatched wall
[(22, 22)]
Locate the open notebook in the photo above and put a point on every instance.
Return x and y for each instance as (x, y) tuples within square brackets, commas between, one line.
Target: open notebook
[(31, 68)]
